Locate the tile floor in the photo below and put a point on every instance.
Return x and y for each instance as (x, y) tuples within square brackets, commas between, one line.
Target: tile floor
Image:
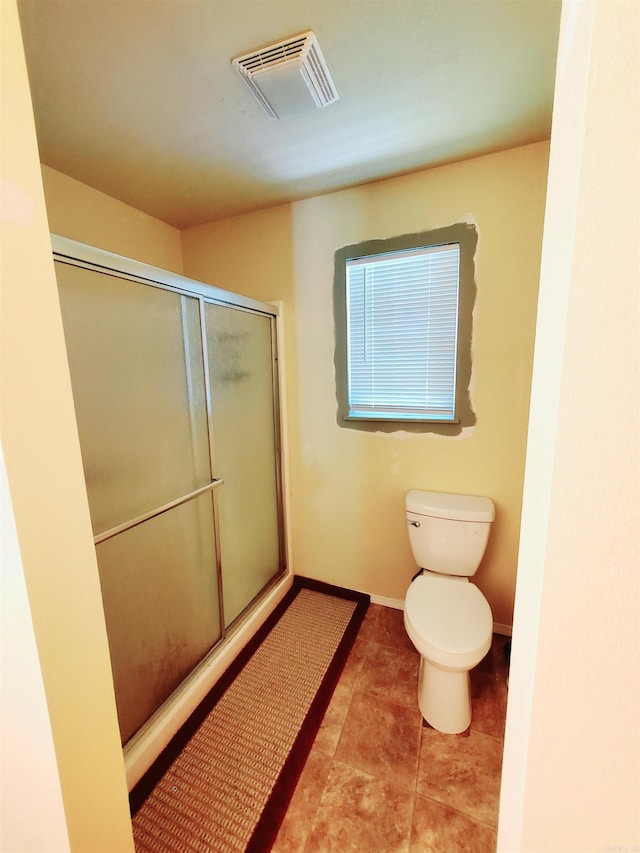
[(377, 780)]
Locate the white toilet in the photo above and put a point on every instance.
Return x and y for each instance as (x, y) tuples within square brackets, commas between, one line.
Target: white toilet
[(447, 618)]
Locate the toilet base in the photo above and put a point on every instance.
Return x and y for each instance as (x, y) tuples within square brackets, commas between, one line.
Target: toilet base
[(444, 698)]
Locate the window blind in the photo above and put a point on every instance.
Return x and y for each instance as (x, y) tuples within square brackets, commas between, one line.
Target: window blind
[(402, 322)]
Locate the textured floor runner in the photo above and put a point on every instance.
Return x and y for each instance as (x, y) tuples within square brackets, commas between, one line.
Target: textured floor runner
[(230, 785)]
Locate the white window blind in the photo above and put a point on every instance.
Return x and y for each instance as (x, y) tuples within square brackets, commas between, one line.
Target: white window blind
[(402, 321)]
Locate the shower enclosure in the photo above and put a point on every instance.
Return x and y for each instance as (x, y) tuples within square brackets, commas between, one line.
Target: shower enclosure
[(176, 398)]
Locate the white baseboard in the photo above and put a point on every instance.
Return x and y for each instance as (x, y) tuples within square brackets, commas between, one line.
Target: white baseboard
[(395, 603)]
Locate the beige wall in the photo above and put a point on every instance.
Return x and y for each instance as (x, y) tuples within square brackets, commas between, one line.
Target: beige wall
[(81, 213), (571, 779), (47, 490), (348, 487), (32, 809)]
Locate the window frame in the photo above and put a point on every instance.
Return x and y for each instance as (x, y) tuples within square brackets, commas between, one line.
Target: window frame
[(465, 235)]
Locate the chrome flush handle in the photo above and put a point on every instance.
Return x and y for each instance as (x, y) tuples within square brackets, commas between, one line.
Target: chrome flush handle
[(413, 523)]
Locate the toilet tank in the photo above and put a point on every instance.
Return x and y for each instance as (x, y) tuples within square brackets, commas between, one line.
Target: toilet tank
[(448, 533)]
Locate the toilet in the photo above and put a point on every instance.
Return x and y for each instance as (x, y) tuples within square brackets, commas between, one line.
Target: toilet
[(447, 618)]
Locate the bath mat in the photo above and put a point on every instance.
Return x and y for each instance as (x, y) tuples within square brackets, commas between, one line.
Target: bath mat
[(225, 781)]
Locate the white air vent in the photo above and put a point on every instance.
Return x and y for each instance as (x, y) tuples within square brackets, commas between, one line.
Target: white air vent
[(288, 77)]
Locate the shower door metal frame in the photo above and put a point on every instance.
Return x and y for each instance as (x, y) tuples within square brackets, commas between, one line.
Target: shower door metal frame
[(87, 257)]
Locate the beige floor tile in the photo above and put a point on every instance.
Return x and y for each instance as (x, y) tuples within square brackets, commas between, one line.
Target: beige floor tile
[(381, 738), (437, 828), (296, 825), (372, 752), (370, 622), (326, 740), (390, 630), (391, 674), (359, 813), (353, 665), (488, 704), (463, 772)]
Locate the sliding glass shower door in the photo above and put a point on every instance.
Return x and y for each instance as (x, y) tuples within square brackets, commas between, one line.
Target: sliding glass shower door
[(240, 356), (176, 410)]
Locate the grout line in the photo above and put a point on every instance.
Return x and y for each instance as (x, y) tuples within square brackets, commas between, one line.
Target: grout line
[(491, 826), (312, 821), (413, 810)]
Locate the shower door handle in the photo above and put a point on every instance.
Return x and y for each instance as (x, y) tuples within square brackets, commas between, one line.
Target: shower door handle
[(146, 516)]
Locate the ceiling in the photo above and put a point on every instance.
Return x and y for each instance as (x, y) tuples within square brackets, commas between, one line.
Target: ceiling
[(138, 98)]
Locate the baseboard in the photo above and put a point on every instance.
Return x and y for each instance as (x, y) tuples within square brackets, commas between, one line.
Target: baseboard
[(300, 581), (504, 630), (395, 603)]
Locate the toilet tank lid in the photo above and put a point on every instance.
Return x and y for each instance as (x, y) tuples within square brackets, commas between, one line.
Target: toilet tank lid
[(455, 507)]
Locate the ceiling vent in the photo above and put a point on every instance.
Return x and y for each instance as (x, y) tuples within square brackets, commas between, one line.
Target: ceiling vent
[(288, 77)]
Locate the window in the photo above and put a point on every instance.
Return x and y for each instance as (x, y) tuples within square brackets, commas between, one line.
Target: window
[(403, 331), (402, 325)]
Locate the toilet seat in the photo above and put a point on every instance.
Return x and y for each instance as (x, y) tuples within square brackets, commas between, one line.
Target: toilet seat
[(448, 620)]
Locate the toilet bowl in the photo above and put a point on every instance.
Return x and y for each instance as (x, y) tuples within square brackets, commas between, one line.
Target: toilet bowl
[(447, 618), (450, 624)]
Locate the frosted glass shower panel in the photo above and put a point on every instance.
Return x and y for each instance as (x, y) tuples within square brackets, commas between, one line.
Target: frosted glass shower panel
[(160, 595), (241, 361), (135, 355)]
